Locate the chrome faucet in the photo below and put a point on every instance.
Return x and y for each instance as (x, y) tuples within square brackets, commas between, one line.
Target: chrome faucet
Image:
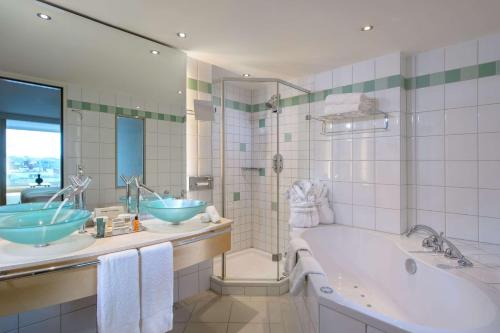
[(140, 186), (128, 192), (436, 241)]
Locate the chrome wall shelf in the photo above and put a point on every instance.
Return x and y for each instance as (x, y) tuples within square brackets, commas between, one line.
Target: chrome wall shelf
[(329, 121)]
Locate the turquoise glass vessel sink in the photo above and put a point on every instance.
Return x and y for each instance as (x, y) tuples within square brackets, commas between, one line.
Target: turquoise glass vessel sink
[(31, 207), (173, 210), (145, 198), (39, 227)]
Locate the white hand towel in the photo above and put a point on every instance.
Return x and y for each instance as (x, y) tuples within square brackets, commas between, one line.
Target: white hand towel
[(118, 303), (352, 98), (295, 245), (157, 280), (214, 215), (305, 266)]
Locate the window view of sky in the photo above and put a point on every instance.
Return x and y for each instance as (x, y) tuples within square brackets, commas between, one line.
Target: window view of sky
[(31, 152)]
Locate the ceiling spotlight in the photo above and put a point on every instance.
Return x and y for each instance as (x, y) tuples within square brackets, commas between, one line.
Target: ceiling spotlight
[(367, 28), (181, 35), (246, 75), (44, 16), (137, 107), (155, 52), (180, 92)]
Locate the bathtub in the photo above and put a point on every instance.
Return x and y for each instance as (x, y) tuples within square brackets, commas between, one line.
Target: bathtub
[(367, 288)]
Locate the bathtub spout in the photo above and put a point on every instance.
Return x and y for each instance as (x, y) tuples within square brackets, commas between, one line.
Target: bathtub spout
[(434, 241)]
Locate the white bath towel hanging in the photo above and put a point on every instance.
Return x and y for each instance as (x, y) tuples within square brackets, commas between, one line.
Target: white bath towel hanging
[(118, 299), (306, 266), (294, 246), (157, 292)]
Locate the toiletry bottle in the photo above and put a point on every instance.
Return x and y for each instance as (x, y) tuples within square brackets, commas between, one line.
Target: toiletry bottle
[(136, 223)]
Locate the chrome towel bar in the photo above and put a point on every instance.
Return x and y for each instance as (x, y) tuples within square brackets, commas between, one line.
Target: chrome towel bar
[(5, 276)]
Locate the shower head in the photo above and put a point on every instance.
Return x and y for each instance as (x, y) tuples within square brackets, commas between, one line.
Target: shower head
[(272, 103)]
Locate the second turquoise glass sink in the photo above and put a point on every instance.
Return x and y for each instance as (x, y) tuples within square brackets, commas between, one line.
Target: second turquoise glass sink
[(175, 211), (39, 227)]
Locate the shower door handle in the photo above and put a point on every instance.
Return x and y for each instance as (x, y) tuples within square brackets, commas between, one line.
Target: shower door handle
[(278, 163)]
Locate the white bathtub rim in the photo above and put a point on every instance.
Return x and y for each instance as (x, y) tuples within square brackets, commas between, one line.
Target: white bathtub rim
[(385, 323)]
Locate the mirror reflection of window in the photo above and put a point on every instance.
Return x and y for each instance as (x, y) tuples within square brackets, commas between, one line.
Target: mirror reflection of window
[(31, 136), (129, 148)]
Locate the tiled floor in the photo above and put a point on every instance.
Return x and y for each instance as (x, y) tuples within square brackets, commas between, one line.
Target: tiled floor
[(211, 313)]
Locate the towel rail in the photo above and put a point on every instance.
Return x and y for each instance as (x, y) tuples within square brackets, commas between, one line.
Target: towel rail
[(329, 121), (5, 276)]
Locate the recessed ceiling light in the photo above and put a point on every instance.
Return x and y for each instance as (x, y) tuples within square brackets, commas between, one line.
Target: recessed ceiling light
[(44, 16), (181, 35), (137, 107), (155, 52), (180, 92), (367, 28), (246, 75)]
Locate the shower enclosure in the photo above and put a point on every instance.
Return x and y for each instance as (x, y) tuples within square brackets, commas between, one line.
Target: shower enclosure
[(263, 146)]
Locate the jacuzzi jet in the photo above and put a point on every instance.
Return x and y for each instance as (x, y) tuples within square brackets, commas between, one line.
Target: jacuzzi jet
[(355, 287), (368, 305), (362, 295)]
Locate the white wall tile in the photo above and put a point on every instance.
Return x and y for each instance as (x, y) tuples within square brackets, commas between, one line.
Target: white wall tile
[(430, 123), (388, 65), (430, 148), (489, 118), (431, 198), (342, 76), (364, 217), (342, 192), (388, 196), (462, 173), (388, 172), (363, 194), (323, 81), (430, 173), (462, 226), (488, 203), (489, 230), (489, 48), (489, 174), (461, 200), (363, 71), (435, 220), (461, 55), (430, 62), (460, 94), (388, 220), (429, 98), (461, 147), (488, 146), (461, 121), (488, 88)]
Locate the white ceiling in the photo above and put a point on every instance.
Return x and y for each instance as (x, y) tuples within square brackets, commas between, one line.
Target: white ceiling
[(291, 38)]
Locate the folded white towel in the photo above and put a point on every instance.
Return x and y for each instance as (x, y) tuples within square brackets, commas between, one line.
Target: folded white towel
[(157, 292), (214, 215), (295, 245), (118, 302), (305, 266), (345, 108), (352, 98)]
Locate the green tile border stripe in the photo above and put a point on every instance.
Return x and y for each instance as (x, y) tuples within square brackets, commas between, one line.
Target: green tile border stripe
[(198, 85), (393, 81), (71, 103)]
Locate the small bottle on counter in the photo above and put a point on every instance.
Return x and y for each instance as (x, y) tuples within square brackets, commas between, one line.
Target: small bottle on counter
[(136, 224)]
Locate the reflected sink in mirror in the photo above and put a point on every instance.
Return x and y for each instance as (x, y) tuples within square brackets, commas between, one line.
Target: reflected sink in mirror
[(39, 227), (31, 207), (175, 211), (12, 252)]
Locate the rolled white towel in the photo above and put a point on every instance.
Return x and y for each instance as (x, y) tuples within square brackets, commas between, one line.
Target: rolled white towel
[(295, 245), (351, 98), (345, 108)]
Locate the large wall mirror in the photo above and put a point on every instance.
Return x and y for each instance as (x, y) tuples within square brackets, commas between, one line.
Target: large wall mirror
[(76, 93)]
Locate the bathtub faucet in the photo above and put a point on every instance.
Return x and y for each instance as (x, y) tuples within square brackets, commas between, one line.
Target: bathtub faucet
[(434, 241)]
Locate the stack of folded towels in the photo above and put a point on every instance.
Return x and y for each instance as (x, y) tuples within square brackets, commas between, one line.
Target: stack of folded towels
[(354, 102), (309, 205)]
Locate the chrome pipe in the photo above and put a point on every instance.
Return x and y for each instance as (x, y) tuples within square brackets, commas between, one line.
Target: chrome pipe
[(278, 185), (222, 140)]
